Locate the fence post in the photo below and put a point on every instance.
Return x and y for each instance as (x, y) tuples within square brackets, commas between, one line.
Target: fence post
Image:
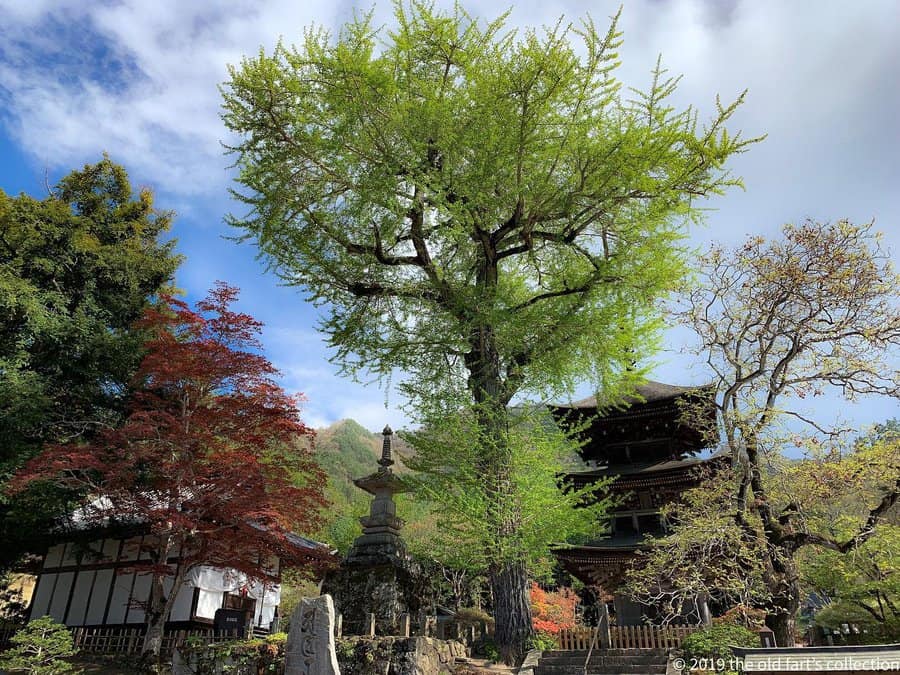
[(338, 625), (603, 625), (370, 629), (404, 625)]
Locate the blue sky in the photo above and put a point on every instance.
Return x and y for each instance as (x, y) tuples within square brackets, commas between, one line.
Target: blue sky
[(139, 80)]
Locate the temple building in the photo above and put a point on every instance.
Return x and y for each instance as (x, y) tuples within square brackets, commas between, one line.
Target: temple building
[(95, 582), (651, 451)]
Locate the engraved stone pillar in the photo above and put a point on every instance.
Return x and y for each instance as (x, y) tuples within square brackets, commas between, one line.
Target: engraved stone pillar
[(310, 644)]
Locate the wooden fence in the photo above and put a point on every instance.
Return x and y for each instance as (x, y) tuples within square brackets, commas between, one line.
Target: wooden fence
[(106, 640), (6, 632), (626, 637)]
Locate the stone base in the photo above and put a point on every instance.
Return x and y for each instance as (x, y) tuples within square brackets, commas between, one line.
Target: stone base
[(398, 656), (385, 587)]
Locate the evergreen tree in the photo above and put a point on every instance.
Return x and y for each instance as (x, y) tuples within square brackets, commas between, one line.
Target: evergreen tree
[(77, 269)]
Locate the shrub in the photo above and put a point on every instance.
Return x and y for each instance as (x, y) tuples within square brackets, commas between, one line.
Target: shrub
[(473, 616), (551, 611), (543, 641), (714, 643), (742, 615), (39, 649), (486, 648), (241, 657)]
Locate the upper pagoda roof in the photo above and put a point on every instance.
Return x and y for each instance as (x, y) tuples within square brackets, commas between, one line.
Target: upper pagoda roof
[(649, 392), (650, 425)]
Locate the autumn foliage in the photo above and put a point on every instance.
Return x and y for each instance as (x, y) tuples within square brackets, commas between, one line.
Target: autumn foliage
[(552, 611), (206, 461)]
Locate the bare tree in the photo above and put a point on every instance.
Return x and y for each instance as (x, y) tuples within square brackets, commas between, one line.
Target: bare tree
[(784, 320)]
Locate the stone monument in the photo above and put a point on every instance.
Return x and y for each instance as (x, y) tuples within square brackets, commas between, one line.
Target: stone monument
[(309, 649), (378, 576)]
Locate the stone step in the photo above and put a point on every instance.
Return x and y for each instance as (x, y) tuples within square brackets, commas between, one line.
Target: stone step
[(608, 654), (603, 663), (605, 658), (582, 653), (619, 670), (623, 669)]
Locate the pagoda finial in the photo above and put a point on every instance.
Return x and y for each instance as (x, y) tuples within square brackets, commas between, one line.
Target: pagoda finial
[(386, 459)]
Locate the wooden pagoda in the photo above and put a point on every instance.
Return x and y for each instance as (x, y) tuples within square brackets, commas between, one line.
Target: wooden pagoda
[(650, 450)]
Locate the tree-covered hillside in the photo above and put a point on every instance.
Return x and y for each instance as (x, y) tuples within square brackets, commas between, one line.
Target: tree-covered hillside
[(347, 451)]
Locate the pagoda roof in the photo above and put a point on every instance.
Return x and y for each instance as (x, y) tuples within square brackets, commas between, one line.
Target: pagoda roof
[(642, 475), (648, 468), (595, 558), (647, 426), (649, 392), (383, 479)]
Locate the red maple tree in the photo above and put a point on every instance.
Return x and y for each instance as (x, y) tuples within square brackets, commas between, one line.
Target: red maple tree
[(206, 464), (552, 611)]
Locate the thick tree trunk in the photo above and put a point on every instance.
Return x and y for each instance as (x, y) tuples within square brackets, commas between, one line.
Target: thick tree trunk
[(786, 604), (490, 393), (512, 611), (784, 626), (159, 607), (153, 637), (781, 576)]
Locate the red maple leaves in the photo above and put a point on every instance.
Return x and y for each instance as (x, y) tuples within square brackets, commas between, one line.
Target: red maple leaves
[(552, 611), (207, 461)]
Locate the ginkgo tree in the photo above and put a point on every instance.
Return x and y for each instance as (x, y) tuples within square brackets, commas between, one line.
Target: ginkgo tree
[(205, 464), (488, 211)]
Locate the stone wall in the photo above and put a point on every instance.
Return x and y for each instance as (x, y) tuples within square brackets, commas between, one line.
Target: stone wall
[(398, 656)]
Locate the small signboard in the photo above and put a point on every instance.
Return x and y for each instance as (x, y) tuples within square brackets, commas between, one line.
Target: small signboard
[(230, 621), (767, 638)]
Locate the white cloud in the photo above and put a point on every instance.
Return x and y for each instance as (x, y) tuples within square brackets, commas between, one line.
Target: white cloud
[(822, 83), (162, 119), (816, 77)]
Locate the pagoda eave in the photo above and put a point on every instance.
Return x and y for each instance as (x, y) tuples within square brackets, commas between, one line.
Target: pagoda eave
[(380, 481)]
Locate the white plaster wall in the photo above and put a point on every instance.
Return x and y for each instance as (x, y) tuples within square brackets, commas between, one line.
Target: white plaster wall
[(54, 556), (97, 604), (118, 606), (80, 598), (40, 603), (181, 610), (110, 549), (140, 593), (61, 596)]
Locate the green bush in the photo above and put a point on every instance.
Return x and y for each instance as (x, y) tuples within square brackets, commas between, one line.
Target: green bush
[(39, 649), (542, 641), (715, 642), (240, 657), (344, 649), (473, 616), (486, 648)]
